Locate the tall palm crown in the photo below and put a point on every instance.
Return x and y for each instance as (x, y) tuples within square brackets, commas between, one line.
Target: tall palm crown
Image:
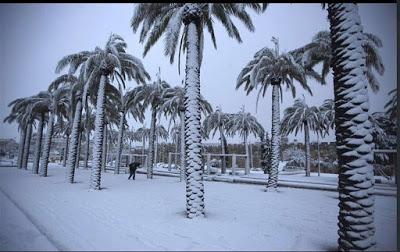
[(215, 121), (320, 51), (168, 18), (267, 67)]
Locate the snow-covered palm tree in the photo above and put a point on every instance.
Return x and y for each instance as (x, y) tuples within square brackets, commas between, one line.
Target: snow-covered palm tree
[(151, 96), (269, 68), (217, 121), (173, 107), (56, 99), (168, 18), (142, 134), (127, 104), (391, 105), (301, 117), (110, 62), (245, 124), (161, 133), (353, 128), (88, 125)]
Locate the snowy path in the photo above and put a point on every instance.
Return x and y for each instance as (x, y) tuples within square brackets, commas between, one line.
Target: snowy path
[(149, 214), (17, 232)]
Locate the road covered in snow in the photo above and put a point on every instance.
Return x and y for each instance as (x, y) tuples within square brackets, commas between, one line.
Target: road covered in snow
[(150, 215)]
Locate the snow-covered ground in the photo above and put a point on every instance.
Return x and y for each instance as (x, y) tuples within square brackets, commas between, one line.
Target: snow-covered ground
[(150, 214)]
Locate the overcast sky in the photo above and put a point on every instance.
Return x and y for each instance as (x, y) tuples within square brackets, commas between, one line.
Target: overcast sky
[(35, 36)]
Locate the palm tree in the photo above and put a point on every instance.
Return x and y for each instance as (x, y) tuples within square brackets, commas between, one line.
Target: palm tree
[(353, 128), (88, 125), (218, 120), (302, 117), (391, 105), (173, 107), (127, 104), (169, 18), (56, 99), (107, 63), (141, 134), (244, 124), (161, 133), (269, 68), (151, 95)]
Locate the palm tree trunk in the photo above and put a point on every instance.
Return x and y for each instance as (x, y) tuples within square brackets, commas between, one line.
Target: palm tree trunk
[(193, 157), (275, 138), (319, 166), (144, 146), (353, 129), (104, 153), (66, 150), (156, 150), (27, 146), (247, 165), (73, 149), (223, 164), (47, 144), (151, 144), (78, 151), (251, 155), (183, 154), (120, 136), (87, 130), (95, 176), (21, 145), (307, 148), (38, 148)]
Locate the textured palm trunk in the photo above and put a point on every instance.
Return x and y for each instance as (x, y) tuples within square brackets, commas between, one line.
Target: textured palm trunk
[(275, 145), (27, 145), (73, 149), (223, 164), (247, 165), (319, 166), (307, 149), (194, 181), (183, 154), (95, 176), (38, 148), (47, 145), (104, 152), (78, 151), (66, 150), (120, 145), (144, 146), (87, 130), (353, 130), (21, 145), (151, 144)]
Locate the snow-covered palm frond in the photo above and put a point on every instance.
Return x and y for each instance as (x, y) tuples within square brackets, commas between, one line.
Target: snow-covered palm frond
[(158, 19), (215, 121), (245, 124)]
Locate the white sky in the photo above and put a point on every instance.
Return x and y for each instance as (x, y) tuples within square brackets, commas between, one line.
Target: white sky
[(35, 36)]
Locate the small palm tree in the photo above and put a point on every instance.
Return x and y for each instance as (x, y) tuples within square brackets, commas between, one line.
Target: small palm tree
[(169, 18), (161, 133), (391, 105), (244, 124), (302, 117), (56, 99), (173, 107), (269, 68), (151, 96), (218, 120), (127, 104), (142, 134)]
